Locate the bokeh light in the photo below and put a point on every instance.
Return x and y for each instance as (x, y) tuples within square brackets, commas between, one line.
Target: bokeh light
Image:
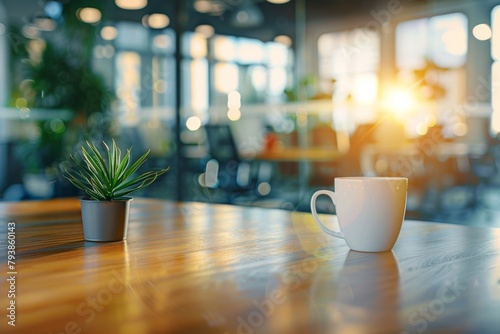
[(89, 15), (109, 33), (482, 32), (193, 123)]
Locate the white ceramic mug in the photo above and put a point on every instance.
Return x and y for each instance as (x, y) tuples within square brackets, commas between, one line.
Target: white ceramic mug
[(370, 211)]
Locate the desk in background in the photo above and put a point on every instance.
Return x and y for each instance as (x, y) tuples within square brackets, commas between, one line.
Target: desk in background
[(296, 154), (304, 157), (202, 268)]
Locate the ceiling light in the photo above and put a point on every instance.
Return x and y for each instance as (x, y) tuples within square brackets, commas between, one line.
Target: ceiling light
[(283, 39), (89, 15), (210, 7), (205, 29), (278, 2), (131, 4), (158, 21), (109, 33), (203, 6)]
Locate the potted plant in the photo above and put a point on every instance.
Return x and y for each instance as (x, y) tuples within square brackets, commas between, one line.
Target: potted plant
[(108, 179)]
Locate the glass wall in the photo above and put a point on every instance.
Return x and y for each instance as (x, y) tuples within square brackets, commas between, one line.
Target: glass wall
[(3, 55), (494, 34), (252, 102)]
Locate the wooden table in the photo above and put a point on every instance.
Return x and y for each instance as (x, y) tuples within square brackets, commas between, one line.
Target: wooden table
[(202, 268)]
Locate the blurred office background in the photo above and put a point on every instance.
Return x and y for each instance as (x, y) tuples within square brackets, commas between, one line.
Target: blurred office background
[(255, 102)]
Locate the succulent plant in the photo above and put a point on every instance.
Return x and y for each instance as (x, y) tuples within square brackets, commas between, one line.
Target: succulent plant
[(107, 177)]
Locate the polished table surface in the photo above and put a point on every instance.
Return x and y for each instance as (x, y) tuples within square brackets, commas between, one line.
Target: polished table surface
[(203, 268)]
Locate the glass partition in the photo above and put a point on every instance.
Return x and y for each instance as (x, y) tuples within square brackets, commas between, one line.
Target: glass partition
[(304, 91)]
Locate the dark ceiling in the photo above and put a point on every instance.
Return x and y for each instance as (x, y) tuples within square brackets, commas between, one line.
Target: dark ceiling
[(276, 19)]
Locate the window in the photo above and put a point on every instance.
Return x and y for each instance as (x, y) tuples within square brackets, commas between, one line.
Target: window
[(436, 50), (128, 86), (441, 39), (495, 69), (352, 59), (140, 64), (195, 71), (259, 71), (430, 58), (143, 73)]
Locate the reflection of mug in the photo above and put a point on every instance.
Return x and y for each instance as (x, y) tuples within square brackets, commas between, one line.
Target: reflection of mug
[(362, 296), (370, 211), (368, 292)]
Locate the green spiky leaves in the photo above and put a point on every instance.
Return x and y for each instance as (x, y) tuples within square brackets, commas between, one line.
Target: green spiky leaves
[(108, 177)]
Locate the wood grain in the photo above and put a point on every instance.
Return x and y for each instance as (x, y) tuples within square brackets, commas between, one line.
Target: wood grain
[(201, 268)]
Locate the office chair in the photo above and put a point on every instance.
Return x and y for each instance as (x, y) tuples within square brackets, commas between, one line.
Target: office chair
[(225, 169)]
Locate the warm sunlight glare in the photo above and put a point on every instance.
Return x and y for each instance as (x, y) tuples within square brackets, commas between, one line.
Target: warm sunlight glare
[(400, 101)]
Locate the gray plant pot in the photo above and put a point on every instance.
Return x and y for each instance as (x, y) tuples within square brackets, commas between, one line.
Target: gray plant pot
[(105, 220)]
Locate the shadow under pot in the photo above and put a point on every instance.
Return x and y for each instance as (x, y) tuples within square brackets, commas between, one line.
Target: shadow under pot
[(105, 220)]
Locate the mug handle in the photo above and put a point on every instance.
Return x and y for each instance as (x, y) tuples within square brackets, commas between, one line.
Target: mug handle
[(325, 229)]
